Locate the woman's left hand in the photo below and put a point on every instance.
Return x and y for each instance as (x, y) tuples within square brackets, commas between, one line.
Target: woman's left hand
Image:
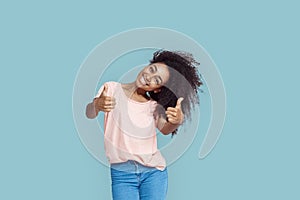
[(175, 115)]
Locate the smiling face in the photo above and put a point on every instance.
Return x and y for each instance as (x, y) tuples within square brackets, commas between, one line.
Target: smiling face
[(153, 76)]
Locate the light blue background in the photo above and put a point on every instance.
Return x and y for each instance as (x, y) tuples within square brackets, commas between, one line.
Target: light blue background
[(255, 45)]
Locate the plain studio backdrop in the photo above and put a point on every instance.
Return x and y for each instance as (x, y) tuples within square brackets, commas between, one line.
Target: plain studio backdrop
[(255, 45)]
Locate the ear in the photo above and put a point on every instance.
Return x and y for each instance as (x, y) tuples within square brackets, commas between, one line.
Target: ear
[(157, 90)]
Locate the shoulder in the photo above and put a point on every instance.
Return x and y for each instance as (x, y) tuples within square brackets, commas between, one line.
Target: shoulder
[(111, 83)]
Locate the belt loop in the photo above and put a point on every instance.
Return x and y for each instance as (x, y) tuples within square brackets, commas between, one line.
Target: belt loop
[(136, 166)]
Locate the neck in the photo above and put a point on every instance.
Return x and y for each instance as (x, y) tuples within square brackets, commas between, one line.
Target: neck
[(133, 89)]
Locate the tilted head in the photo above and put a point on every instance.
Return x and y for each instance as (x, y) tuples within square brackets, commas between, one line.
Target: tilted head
[(183, 80)]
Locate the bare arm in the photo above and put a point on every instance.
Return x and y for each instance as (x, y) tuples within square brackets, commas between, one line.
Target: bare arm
[(175, 119), (166, 127), (91, 111)]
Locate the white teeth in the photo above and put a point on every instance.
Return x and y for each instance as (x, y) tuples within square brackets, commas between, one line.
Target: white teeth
[(143, 80)]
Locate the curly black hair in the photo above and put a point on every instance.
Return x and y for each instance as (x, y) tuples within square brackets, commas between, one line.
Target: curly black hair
[(184, 81)]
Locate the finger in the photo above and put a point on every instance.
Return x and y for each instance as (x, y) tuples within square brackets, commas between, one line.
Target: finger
[(113, 103), (104, 92), (109, 102), (108, 98), (108, 107), (172, 109), (169, 118), (171, 113), (113, 99), (173, 121), (178, 104)]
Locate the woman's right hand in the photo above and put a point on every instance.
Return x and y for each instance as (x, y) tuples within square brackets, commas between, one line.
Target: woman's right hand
[(104, 103)]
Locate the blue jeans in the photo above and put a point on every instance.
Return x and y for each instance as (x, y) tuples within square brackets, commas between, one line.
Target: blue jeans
[(133, 181)]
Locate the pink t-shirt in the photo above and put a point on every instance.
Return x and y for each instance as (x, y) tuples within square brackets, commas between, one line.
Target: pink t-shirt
[(130, 130)]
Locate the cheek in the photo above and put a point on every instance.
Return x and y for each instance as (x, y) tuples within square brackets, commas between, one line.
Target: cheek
[(167, 77)]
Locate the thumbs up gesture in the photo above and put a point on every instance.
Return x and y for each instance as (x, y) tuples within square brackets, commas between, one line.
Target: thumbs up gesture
[(175, 115), (104, 103)]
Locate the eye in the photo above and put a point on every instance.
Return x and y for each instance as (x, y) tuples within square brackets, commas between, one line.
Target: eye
[(151, 69), (157, 81)]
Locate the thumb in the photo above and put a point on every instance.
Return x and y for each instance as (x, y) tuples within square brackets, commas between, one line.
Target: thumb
[(104, 92), (178, 104)]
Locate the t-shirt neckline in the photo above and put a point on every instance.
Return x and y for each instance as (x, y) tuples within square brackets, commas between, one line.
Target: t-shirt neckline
[(129, 99)]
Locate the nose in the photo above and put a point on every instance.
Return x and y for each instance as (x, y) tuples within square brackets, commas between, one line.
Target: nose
[(147, 78), (150, 79)]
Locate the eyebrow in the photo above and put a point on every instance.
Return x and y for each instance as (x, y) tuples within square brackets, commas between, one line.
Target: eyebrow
[(155, 68)]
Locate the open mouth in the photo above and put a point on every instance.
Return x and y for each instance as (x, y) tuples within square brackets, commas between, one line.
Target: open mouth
[(143, 80)]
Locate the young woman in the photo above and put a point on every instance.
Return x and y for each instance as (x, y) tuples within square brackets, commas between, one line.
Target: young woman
[(161, 97)]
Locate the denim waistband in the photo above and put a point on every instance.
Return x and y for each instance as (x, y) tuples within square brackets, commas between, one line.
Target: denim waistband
[(131, 166)]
